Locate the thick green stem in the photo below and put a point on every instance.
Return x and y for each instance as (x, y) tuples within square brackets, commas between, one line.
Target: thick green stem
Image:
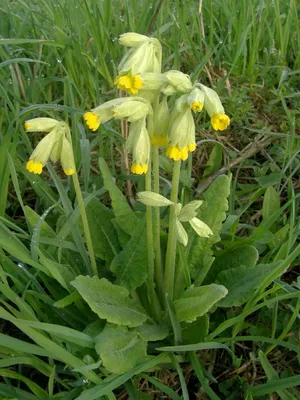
[(158, 273), (172, 240), (150, 284), (86, 228)]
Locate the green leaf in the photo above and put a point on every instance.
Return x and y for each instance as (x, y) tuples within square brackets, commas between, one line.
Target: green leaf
[(120, 349), (214, 161), (271, 203), (196, 331), (242, 281), (104, 236), (60, 272), (125, 217), (131, 265), (152, 332), (197, 301), (272, 375), (213, 213), (32, 218), (109, 301), (244, 255)]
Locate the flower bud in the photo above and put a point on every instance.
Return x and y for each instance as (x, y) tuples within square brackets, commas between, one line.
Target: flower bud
[(67, 158), (153, 199), (132, 110), (177, 82), (132, 39), (196, 99), (160, 123), (212, 104), (138, 143), (40, 124)]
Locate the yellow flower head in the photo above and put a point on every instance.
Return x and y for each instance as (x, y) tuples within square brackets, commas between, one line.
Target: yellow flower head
[(92, 120), (196, 106), (128, 83), (220, 122), (196, 99), (51, 146), (181, 131), (138, 143)]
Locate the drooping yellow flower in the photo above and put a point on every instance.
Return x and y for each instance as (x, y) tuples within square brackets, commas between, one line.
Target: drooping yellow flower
[(139, 169), (54, 145), (160, 123), (177, 153), (159, 140), (220, 122), (92, 120), (128, 83), (196, 106), (34, 167), (138, 143)]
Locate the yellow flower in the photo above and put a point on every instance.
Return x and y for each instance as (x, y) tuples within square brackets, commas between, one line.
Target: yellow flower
[(128, 83), (139, 169), (160, 123), (54, 145), (177, 153), (92, 120), (196, 106), (220, 122), (34, 167)]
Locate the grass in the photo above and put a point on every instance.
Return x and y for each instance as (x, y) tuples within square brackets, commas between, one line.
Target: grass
[(59, 58)]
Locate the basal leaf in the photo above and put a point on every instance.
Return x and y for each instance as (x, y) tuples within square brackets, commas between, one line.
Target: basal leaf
[(271, 203), (153, 332), (109, 301), (104, 236), (242, 281), (244, 255), (124, 214), (120, 349), (33, 218), (196, 331), (213, 213), (131, 266), (197, 301)]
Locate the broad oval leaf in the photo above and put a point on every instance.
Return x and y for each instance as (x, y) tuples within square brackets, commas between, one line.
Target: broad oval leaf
[(109, 301), (197, 301), (120, 349)]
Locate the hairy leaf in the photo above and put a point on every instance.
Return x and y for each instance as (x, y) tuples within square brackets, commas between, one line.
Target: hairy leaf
[(213, 213), (197, 301), (131, 266), (244, 255), (153, 332), (120, 349), (242, 281), (104, 236), (109, 301)]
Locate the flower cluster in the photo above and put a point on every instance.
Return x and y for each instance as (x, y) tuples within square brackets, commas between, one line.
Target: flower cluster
[(56, 145)]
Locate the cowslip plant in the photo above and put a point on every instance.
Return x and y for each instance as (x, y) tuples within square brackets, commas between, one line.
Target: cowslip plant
[(152, 276)]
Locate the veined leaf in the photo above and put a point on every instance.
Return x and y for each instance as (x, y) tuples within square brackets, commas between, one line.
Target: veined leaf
[(152, 332), (131, 266), (120, 349), (104, 236), (244, 255), (213, 213), (197, 301), (109, 301), (125, 217), (242, 281)]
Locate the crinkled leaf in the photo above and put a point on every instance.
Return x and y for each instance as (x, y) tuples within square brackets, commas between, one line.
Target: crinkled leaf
[(131, 266), (104, 236), (213, 213), (153, 332), (109, 301), (196, 331), (244, 255), (197, 301), (242, 281), (125, 217), (120, 349)]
